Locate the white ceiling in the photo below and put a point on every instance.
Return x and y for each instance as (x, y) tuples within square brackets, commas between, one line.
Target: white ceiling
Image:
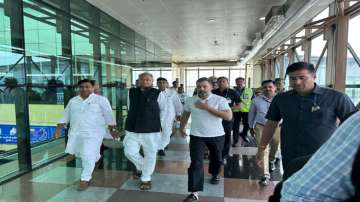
[(183, 28)]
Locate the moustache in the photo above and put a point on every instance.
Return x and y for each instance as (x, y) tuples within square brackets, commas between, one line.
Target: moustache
[(203, 94)]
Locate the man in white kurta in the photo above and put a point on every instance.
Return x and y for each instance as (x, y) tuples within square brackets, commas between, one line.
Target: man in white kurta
[(173, 109), (90, 117), (143, 126)]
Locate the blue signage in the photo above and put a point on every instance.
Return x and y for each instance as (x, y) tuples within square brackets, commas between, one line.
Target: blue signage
[(8, 134)]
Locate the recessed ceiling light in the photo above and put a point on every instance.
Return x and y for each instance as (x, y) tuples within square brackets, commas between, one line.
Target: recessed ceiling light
[(262, 18), (211, 20)]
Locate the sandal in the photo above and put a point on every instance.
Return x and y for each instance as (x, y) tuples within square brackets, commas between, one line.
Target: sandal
[(145, 185)]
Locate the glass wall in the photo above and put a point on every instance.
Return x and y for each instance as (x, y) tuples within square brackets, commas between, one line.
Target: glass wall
[(164, 72), (353, 60), (194, 73), (12, 96), (299, 54), (46, 47), (11, 109), (318, 58)]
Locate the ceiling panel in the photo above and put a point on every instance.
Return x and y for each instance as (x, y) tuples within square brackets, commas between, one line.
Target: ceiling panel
[(184, 27)]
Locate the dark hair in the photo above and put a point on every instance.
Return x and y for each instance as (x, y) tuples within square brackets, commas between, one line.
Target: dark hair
[(202, 79), (222, 78), (300, 66), (161, 79), (267, 81), (174, 82), (278, 80), (92, 82), (240, 78)]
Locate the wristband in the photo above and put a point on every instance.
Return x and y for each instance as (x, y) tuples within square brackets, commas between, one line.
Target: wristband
[(262, 147)]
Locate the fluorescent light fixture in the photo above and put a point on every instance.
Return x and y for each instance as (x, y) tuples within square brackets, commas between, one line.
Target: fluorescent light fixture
[(262, 18)]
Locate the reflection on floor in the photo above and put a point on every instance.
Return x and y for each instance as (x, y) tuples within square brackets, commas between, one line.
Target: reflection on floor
[(113, 181)]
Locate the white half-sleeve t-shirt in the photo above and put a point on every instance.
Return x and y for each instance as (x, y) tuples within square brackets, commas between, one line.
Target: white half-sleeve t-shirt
[(204, 124)]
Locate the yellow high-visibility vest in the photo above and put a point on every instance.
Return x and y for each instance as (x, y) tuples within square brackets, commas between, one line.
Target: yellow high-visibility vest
[(245, 98)]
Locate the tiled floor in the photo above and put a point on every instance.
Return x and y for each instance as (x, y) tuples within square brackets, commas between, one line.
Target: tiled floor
[(113, 181)]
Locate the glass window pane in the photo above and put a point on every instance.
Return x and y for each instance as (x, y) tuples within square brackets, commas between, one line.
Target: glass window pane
[(221, 72), (353, 2), (140, 55), (5, 34), (191, 77), (127, 52), (299, 35), (278, 66), (317, 46), (205, 73), (299, 54), (167, 74), (235, 73), (354, 94), (12, 103), (286, 64), (41, 34), (140, 41), (322, 15), (354, 31), (352, 67)]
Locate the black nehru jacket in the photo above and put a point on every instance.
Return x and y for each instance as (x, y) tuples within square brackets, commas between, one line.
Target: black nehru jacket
[(144, 111)]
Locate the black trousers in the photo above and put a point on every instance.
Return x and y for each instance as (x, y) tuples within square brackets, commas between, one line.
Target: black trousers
[(227, 125), (196, 169), (243, 118)]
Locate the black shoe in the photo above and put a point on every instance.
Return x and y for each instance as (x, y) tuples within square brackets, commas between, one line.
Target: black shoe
[(161, 152), (234, 145), (272, 166), (191, 198), (215, 179), (264, 181)]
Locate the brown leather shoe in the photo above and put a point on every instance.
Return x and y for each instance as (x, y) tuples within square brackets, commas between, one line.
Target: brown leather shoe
[(83, 185)]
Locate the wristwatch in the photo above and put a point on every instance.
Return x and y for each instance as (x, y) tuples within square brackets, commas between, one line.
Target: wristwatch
[(113, 129)]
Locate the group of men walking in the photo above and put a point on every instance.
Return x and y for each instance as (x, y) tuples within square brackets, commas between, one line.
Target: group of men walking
[(305, 118)]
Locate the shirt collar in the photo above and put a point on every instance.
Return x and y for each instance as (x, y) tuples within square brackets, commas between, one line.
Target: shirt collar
[(317, 90), (88, 98), (266, 98)]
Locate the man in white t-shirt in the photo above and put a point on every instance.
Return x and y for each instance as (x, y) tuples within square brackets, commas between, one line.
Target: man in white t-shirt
[(207, 112)]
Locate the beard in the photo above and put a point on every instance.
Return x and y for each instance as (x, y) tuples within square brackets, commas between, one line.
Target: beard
[(203, 94)]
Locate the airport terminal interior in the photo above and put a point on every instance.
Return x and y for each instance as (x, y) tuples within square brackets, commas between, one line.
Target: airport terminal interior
[(48, 46)]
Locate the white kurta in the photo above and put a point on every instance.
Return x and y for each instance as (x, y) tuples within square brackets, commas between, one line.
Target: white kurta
[(89, 120), (173, 108)]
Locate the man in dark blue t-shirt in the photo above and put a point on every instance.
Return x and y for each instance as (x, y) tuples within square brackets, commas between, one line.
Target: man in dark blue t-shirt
[(233, 99)]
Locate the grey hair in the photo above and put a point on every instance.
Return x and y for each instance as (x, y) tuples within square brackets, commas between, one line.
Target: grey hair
[(146, 74)]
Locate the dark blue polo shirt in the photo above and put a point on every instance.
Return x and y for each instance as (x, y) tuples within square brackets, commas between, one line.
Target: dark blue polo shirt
[(232, 98), (308, 121)]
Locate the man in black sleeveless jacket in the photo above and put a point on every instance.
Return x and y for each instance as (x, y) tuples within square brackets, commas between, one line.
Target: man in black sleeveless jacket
[(143, 127)]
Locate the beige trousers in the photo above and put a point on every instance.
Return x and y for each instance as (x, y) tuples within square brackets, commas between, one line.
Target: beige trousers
[(264, 169), (274, 145)]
